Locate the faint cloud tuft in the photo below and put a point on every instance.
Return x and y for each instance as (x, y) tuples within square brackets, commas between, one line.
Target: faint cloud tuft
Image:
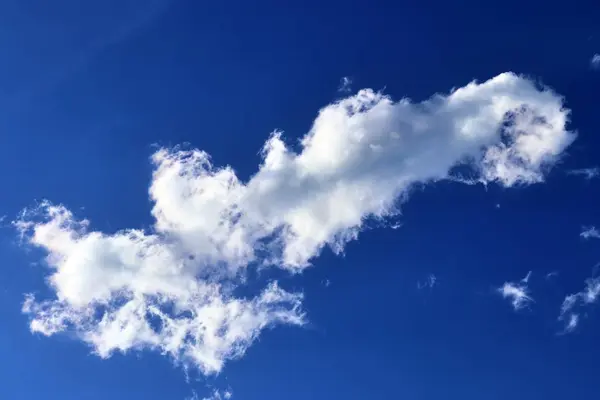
[(589, 232), (430, 282), (595, 61), (345, 85), (586, 173), (517, 293)]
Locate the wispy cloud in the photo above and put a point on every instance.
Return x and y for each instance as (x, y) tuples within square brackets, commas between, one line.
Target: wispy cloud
[(589, 232), (587, 173), (345, 85), (595, 61), (430, 282), (215, 395), (517, 292), (575, 304), (551, 275), (171, 288)]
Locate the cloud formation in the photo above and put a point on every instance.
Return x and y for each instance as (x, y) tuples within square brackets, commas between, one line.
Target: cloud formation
[(589, 232), (517, 293), (430, 282), (171, 288), (345, 85), (574, 304), (587, 173), (595, 61), (215, 395)]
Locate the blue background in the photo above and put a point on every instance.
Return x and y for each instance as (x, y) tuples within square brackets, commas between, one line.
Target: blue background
[(87, 88)]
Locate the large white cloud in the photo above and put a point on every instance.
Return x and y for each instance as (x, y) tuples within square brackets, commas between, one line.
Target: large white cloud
[(171, 288)]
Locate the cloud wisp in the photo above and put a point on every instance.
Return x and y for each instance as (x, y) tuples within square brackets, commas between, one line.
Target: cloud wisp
[(595, 61), (430, 282), (215, 395), (586, 173), (589, 232), (574, 304), (345, 85), (517, 293), (171, 288)]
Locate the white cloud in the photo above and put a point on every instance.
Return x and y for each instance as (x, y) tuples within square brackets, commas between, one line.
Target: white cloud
[(572, 322), (526, 279), (215, 395), (133, 290), (345, 85), (429, 282), (595, 61), (551, 274), (517, 292), (587, 173), (574, 303), (171, 288), (589, 232)]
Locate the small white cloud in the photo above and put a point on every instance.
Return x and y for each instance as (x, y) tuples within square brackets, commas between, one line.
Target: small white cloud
[(214, 395), (587, 173), (595, 61), (573, 304), (345, 85), (430, 282), (551, 275), (592, 290), (218, 395), (572, 323), (589, 232), (194, 396), (517, 292)]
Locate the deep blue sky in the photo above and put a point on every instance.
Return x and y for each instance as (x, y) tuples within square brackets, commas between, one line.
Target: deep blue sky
[(86, 90)]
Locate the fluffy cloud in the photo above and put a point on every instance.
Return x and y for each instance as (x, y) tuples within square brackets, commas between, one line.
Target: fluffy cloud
[(171, 288), (517, 292), (574, 304)]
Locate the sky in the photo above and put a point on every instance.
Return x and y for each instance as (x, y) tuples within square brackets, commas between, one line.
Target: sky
[(327, 200)]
